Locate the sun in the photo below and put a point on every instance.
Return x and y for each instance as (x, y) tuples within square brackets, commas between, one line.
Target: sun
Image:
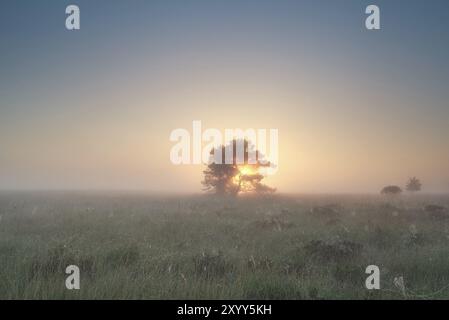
[(246, 170), (244, 176)]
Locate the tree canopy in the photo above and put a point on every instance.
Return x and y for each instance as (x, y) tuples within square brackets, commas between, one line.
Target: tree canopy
[(413, 185), (239, 175)]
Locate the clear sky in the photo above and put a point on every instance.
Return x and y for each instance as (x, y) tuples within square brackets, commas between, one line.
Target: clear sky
[(94, 108)]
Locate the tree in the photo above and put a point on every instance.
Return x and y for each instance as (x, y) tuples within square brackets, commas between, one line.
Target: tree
[(218, 178), (413, 185), (391, 190), (239, 176)]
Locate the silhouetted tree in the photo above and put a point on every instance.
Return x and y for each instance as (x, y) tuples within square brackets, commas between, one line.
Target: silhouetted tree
[(218, 178), (391, 190), (413, 185), (239, 175)]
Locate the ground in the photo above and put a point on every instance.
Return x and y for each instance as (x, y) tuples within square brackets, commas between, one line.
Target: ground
[(137, 246)]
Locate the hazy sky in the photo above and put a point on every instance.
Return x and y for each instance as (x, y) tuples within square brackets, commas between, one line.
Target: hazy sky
[(94, 108)]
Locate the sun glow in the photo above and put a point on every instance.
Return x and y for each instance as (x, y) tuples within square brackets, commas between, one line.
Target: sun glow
[(247, 170), (245, 175)]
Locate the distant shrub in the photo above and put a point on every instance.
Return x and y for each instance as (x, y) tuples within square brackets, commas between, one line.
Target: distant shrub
[(413, 185), (391, 190)]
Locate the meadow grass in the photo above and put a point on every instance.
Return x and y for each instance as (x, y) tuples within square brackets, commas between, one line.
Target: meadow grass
[(135, 246)]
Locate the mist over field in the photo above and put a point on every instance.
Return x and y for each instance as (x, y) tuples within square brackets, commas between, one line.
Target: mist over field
[(138, 246)]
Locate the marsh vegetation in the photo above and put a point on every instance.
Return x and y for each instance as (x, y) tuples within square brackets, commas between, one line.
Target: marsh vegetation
[(135, 246)]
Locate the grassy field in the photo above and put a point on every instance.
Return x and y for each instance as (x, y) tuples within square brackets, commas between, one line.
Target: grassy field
[(135, 246)]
